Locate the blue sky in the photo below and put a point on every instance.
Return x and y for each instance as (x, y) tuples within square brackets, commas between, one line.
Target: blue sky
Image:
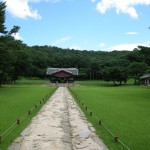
[(81, 24)]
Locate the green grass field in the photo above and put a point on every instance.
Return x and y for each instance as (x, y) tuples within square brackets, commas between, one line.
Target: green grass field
[(124, 110), (15, 101)]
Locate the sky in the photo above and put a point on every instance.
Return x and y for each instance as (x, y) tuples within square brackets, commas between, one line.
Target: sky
[(81, 24)]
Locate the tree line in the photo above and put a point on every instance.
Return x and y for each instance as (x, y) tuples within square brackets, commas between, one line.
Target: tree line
[(18, 59)]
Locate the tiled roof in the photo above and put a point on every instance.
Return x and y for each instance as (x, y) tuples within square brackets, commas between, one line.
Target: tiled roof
[(145, 76), (50, 70)]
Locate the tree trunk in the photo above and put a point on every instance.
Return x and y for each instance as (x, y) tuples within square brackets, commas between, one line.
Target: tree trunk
[(1, 79), (120, 83), (0, 82), (114, 83), (135, 81), (90, 75)]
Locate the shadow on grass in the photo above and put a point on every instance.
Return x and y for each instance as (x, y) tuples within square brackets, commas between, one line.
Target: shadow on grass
[(101, 83)]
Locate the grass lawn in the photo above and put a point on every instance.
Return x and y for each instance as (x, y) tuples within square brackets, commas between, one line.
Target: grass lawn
[(124, 110), (32, 81), (15, 101)]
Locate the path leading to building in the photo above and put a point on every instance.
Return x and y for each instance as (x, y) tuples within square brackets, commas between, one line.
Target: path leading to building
[(59, 125)]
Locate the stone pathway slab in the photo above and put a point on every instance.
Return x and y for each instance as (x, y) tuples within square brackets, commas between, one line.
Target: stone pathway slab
[(59, 125)]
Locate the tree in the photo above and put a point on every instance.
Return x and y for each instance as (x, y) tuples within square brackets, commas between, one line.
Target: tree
[(137, 69), (115, 74), (8, 49), (145, 51), (7, 59), (135, 56), (2, 46), (2, 17), (14, 30)]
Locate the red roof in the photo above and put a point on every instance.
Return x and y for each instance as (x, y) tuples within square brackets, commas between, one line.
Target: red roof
[(62, 74)]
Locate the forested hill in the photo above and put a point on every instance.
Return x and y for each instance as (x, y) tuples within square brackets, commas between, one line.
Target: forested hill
[(18, 59), (90, 63)]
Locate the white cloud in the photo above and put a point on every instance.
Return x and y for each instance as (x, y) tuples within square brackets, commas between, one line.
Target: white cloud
[(21, 9), (34, 1), (17, 36), (121, 6), (61, 41), (52, 1), (131, 33), (102, 45), (93, 1), (128, 47), (76, 47)]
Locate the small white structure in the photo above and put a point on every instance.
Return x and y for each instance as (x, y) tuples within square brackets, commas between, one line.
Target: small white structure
[(145, 79)]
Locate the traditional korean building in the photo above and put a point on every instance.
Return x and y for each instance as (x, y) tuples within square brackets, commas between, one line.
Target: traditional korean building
[(145, 79), (62, 75)]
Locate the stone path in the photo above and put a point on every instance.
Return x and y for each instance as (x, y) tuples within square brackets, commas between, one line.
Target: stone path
[(59, 125)]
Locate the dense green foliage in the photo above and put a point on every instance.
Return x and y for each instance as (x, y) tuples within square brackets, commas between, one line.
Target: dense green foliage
[(124, 110), (33, 61), (18, 59), (2, 17), (15, 101)]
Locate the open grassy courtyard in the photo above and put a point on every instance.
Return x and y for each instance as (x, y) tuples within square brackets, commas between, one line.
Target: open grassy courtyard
[(15, 101), (124, 110)]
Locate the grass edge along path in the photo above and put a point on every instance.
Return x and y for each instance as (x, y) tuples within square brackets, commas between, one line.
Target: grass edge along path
[(99, 124), (11, 133)]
